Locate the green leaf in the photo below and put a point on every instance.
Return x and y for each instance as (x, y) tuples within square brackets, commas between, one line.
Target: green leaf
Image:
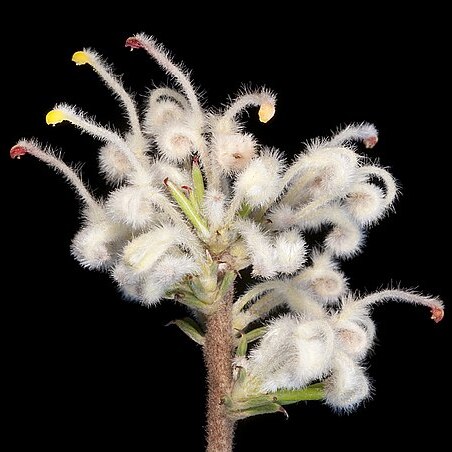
[(226, 283), (188, 208), (198, 183), (265, 408), (190, 328), (245, 210), (199, 291), (241, 375), (286, 397), (194, 201), (188, 299), (256, 334), (242, 346)]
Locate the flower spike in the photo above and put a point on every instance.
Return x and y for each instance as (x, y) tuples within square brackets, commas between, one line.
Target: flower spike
[(211, 205)]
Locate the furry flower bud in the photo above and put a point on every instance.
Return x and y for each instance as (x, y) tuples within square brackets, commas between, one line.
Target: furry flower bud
[(170, 270), (292, 353), (259, 247), (160, 114), (289, 251), (214, 207), (143, 252), (353, 338), (95, 246), (365, 202), (177, 141), (322, 172), (132, 205), (234, 151), (322, 278), (348, 385), (260, 183), (114, 164), (281, 217)]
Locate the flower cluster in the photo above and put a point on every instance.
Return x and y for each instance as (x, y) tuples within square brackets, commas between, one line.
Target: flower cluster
[(195, 200)]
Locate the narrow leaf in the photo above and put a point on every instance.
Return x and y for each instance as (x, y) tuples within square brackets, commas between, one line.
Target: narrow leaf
[(255, 334), (198, 182), (199, 291), (242, 346), (190, 328), (194, 201), (245, 210), (188, 208), (261, 409), (188, 299), (226, 283)]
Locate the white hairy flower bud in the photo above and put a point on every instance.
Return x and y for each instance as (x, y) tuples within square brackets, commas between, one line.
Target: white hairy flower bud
[(114, 164), (281, 217), (365, 202), (162, 170), (289, 251), (141, 253), (260, 183), (346, 237), (259, 248), (302, 302), (96, 245), (234, 151), (331, 176), (168, 271), (160, 114), (323, 172), (353, 339), (133, 205), (322, 278), (348, 385), (214, 207), (128, 282), (176, 141), (292, 353)]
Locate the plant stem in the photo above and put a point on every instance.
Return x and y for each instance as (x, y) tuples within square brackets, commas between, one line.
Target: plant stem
[(218, 350)]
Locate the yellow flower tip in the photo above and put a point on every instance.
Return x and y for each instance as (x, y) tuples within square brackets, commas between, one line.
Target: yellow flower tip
[(55, 117), (266, 112), (80, 58)]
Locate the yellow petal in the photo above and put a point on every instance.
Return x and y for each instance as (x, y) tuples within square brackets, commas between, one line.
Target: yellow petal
[(54, 117), (266, 112), (80, 58)]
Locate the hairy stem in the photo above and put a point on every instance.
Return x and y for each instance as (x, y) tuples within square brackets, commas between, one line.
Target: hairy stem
[(218, 358)]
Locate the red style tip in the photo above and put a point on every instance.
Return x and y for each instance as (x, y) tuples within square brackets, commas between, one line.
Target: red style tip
[(195, 160), (437, 314), (133, 43), (371, 142), (165, 181), (17, 152)]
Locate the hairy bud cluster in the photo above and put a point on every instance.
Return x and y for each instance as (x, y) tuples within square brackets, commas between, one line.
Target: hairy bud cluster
[(194, 200)]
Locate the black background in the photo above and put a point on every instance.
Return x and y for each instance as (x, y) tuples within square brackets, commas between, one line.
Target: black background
[(85, 368)]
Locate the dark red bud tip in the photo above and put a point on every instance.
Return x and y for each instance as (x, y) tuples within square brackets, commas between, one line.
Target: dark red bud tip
[(437, 314), (165, 181), (17, 152), (371, 142), (196, 160), (187, 188), (133, 43)]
